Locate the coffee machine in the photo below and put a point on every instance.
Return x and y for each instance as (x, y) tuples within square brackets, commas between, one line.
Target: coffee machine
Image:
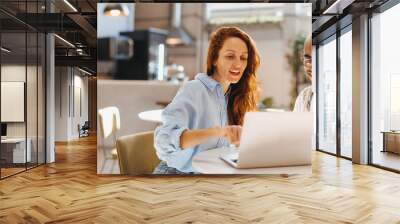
[(135, 55), (149, 56)]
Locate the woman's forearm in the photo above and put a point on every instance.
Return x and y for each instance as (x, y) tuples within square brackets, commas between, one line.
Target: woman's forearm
[(190, 138)]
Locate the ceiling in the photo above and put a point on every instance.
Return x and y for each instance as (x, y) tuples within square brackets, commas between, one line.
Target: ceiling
[(31, 16), (79, 28), (332, 15)]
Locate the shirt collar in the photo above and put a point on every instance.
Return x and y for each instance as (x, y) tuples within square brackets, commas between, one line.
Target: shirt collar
[(207, 81)]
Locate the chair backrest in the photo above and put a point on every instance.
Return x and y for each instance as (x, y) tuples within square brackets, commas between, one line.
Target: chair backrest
[(86, 125), (136, 153), (109, 121), (117, 120)]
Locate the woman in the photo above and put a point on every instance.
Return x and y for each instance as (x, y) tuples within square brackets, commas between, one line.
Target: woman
[(208, 111)]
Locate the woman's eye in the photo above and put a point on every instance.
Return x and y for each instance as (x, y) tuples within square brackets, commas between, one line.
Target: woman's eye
[(230, 56), (243, 59)]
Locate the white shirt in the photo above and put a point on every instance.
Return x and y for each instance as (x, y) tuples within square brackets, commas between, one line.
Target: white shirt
[(305, 101)]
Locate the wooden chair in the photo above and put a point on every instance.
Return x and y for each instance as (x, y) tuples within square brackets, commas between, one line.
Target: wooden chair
[(136, 153)]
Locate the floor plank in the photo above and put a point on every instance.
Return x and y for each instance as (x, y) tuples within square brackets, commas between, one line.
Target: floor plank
[(70, 191)]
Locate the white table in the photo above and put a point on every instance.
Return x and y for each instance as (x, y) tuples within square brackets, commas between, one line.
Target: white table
[(208, 162), (151, 115), (19, 149)]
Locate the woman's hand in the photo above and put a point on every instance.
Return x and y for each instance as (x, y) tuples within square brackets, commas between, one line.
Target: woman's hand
[(232, 133), (190, 138)]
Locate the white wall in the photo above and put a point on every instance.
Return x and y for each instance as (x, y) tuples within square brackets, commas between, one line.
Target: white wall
[(17, 73), (79, 117), (33, 127), (68, 81), (14, 73), (273, 76), (61, 103)]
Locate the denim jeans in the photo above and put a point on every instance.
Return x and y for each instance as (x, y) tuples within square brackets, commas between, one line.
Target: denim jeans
[(163, 168)]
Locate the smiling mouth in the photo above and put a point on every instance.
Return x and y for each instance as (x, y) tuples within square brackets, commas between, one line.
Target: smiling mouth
[(234, 72)]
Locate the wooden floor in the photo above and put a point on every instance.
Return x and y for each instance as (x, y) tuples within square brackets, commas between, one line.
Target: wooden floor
[(386, 159), (10, 171), (70, 191)]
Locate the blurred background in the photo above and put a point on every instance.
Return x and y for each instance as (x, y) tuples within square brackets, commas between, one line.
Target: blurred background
[(177, 41)]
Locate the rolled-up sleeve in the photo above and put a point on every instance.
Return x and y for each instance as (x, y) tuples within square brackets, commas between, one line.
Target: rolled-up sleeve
[(176, 118)]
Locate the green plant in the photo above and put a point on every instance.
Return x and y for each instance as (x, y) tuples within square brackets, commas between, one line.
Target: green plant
[(268, 102), (294, 59)]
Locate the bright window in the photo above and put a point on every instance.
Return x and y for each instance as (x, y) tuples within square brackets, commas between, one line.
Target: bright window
[(385, 84), (327, 96), (346, 94)]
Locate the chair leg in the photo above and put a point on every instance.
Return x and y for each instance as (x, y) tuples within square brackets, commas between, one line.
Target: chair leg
[(113, 165), (103, 165)]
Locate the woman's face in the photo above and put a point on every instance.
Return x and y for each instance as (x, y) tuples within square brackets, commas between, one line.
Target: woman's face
[(232, 60)]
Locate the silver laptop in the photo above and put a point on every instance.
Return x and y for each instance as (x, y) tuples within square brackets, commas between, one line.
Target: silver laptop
[(273, 139)]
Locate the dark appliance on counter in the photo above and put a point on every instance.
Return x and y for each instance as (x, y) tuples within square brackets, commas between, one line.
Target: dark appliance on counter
[(112, 48), (3, 130), (149, 55)]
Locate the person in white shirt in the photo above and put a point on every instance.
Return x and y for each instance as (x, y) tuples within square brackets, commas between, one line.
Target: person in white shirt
[(304, 101)]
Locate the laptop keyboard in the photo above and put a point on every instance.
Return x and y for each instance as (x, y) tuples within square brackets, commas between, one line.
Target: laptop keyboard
[(233, 156)]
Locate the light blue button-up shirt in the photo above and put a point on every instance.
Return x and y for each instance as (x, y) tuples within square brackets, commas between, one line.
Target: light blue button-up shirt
[(199, 104)]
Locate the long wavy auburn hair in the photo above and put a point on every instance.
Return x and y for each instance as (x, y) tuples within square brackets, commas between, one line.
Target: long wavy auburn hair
[(242, 96)]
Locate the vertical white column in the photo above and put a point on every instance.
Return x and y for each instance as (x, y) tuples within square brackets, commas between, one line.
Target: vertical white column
[(50, 92), (360, 90), (50, 99)]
